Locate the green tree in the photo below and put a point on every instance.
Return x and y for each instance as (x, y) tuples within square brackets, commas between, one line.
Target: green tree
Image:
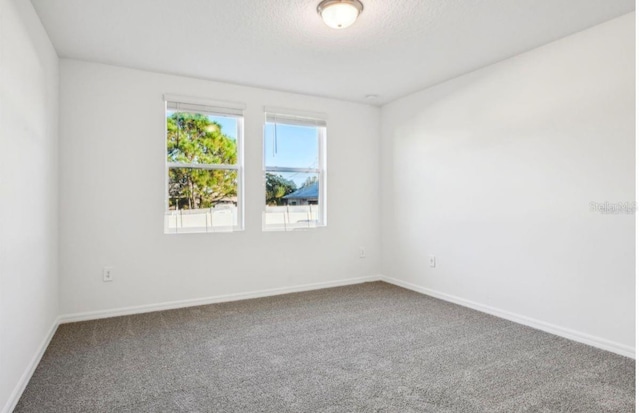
[(277, 187), (195, 139)]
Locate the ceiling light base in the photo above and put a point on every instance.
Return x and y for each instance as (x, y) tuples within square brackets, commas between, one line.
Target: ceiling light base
[(340, 14)]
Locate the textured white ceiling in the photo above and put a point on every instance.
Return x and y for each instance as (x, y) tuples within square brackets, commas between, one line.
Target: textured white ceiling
[(396, 47)]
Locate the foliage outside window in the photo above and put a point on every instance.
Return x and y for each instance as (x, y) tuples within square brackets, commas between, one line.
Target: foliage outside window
[(294, 170), (204, 168)]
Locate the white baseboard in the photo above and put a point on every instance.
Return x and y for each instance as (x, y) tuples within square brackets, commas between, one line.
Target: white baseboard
[(597, 342), (94, 315), (31, 368)]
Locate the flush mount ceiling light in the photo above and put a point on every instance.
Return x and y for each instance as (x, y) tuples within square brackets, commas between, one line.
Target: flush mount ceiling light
[(340, 14)]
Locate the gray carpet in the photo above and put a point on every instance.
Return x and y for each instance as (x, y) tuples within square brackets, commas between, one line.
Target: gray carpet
[(365, 348)]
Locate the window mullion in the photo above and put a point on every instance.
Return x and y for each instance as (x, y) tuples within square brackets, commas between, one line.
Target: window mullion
[(290, 169), (203, 166)]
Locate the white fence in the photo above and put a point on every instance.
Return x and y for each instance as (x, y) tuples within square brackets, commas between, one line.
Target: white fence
[(289, 218), (224, 218)]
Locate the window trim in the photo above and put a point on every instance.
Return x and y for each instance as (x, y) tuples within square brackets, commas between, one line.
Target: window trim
[(212, 108), (299, 118)]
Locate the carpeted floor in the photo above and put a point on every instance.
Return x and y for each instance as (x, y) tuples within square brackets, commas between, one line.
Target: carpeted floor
[(365, 348)]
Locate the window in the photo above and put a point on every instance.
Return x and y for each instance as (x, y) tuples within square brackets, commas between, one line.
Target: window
[(204, 173), (294, 170)]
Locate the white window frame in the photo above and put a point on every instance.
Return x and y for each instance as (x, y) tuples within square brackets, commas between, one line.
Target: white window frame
[(217, 108), (301, 118)]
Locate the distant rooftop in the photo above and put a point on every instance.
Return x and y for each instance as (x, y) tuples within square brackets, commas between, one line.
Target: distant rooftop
[(307, 192)]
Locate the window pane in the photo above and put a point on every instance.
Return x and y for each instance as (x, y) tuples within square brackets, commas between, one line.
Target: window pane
[(194, 138), (290, 146), (285, 188), (200, 188), (202, 200), (291, 200)]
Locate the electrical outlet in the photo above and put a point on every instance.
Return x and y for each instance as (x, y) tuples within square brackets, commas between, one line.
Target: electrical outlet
[(363, 252), (432, 261), (107, 274)]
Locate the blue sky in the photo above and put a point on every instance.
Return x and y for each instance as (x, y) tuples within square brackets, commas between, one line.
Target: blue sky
[(291, 146), (297, 146), (227, 125)]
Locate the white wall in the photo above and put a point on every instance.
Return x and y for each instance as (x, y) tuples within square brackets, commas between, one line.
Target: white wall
[(112, 196), (28, 194), (493, 173)]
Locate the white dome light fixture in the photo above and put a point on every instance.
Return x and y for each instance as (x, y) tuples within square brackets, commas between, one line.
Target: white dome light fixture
[(340, 14)]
